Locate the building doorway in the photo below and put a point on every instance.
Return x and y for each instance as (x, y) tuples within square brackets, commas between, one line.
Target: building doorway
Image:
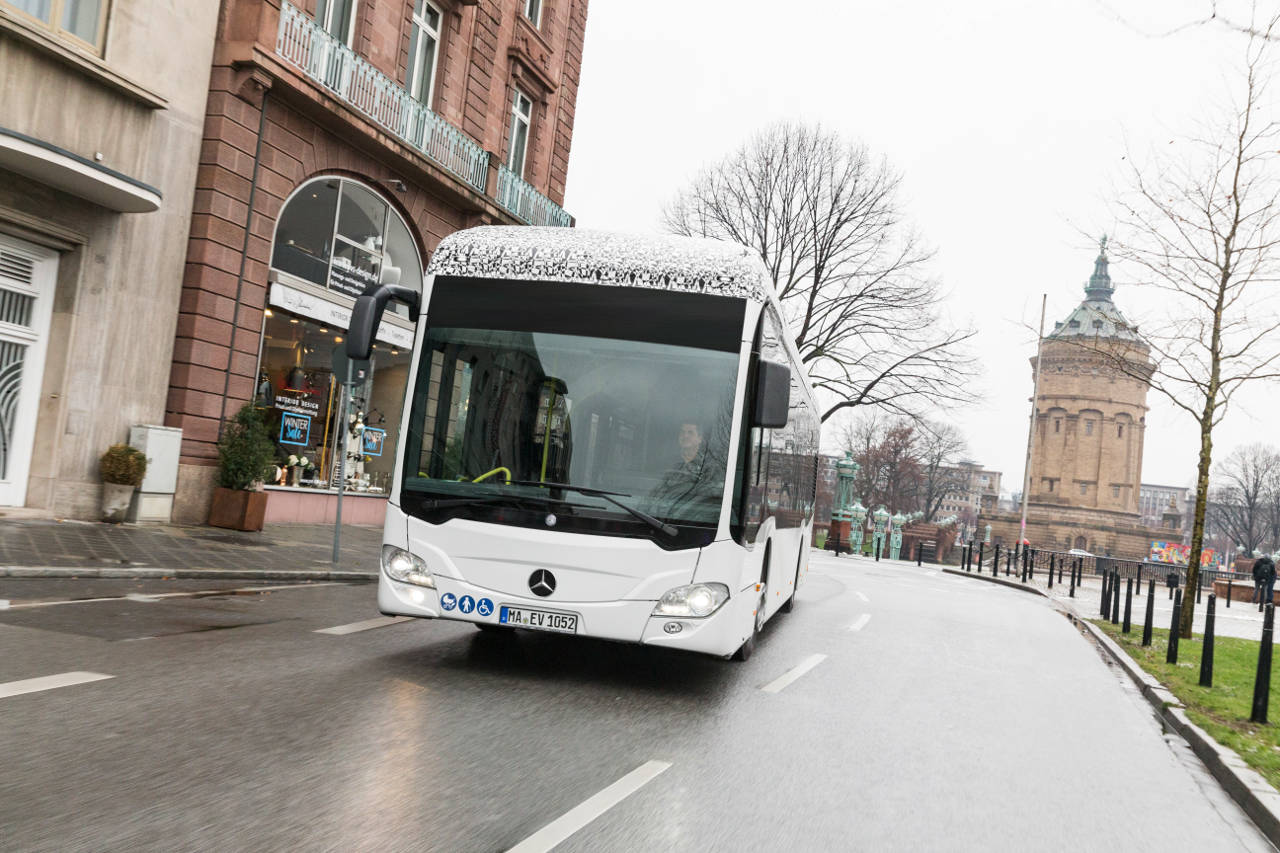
[(27, 275)]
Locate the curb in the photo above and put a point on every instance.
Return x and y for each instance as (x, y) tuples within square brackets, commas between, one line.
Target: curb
[(1244, 784), (185, 574), (961, 573)]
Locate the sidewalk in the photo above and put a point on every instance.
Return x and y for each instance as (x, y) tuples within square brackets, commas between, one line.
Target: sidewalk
[(1239, 620), (48, 548)]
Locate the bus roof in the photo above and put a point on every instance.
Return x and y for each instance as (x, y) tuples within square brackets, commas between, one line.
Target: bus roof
[(603, 257)]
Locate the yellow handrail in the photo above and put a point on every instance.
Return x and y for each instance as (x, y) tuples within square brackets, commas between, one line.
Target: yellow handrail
[(486, 474)]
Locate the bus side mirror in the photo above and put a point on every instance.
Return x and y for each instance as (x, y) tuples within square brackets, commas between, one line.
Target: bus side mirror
[(773, 395), (367, 314)]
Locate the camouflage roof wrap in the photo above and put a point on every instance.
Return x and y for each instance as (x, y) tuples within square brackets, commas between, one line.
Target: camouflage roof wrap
[(602, 257)]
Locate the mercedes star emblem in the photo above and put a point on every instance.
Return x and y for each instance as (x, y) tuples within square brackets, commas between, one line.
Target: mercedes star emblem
[(542, 583), (551, 519)]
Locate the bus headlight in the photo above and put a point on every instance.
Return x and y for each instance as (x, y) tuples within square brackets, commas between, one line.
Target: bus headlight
[(695, 599), (400, 565)]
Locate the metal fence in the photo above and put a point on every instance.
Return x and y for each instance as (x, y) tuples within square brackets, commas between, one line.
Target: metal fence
[(1040, 560), (333, 65)]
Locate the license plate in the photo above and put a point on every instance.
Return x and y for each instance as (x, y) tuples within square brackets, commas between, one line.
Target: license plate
[(542, 620)]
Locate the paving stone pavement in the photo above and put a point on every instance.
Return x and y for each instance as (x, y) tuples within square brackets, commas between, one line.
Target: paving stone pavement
[(48, 543)]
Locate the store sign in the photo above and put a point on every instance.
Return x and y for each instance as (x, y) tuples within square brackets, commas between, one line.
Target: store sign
[(373, 441), (332, 314), (298, 402), (295, 429), (346, 277)]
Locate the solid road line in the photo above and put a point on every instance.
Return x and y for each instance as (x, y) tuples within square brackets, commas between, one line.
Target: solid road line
[(579, 816), (791, 675), (157, 596), (48, 682), (354, 627), (861, 623)]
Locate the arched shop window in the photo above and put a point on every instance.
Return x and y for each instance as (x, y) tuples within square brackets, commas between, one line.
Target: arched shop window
[(337, 236)]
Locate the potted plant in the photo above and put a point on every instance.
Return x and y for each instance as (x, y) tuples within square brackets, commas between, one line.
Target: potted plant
[(245, 452), (122, 468)]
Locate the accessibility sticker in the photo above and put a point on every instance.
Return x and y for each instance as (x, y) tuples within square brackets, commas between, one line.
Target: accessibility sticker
[(484, 607), (448, 601), (466, 604)]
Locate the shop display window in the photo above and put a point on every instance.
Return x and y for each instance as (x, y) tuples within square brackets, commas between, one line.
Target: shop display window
[(303, 406)]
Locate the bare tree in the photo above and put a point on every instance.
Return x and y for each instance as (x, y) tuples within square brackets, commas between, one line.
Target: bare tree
[(1205, 228), (887, 453), (851, 274), (1238, 503), (941, 448)]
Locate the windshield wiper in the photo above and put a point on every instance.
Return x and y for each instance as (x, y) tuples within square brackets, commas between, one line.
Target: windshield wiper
[(611, 497)]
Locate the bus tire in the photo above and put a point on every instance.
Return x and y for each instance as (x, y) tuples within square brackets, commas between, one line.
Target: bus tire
[(757, 620), (790, 603), (490, 628)]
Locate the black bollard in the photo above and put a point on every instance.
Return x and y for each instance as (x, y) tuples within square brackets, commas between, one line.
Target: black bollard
[(1008, 563), (995, 561), (1072, 591), (1137, 587), (919, 550), (1206, 650), (1199, 585), (1262, 681), (1115, 598), (1031, 566), (875, 547), (1051, 571), (982, 552), (1151, 612), (1128, 604), (1106, 597), (1172, 656), (1229, 590)]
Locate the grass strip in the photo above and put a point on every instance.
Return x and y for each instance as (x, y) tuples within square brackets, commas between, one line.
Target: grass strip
[(1223, 709)]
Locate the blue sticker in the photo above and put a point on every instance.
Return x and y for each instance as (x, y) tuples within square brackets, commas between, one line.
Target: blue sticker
[(448, 601), (484, 607), (466, 604)]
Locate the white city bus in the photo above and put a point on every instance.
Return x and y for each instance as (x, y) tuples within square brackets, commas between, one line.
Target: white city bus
[(603, 435)]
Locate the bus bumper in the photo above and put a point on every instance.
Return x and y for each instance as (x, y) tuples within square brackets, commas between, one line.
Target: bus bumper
[(627, 621)]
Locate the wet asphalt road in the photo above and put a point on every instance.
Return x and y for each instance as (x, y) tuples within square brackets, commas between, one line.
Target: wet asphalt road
[(943, 713)]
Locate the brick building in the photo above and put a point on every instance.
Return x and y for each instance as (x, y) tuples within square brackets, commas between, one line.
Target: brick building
[(343, 139), (1086, 459)]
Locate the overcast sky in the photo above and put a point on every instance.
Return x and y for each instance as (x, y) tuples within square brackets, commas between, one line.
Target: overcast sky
[(1008, 121)]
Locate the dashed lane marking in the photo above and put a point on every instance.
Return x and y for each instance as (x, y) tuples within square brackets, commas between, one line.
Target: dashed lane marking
[(862, 596), (366, 625), (861, 623), (792, 674), (48, 682), (579, 816)]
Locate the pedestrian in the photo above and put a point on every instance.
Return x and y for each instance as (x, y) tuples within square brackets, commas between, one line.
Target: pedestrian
[(1265, 568), (1257, 581)]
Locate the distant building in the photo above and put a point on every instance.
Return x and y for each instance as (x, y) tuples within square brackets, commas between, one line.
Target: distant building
[(1153, 502), (977, 489)]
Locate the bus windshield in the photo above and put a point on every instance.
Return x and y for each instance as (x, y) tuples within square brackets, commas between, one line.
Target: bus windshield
[(495, 409)]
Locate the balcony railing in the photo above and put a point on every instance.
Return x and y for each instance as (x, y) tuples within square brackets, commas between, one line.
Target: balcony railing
[(333, 65), (527, 203)]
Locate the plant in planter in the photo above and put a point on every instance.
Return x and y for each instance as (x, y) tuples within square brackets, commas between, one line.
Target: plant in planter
[(245, 452), (122, 468)]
